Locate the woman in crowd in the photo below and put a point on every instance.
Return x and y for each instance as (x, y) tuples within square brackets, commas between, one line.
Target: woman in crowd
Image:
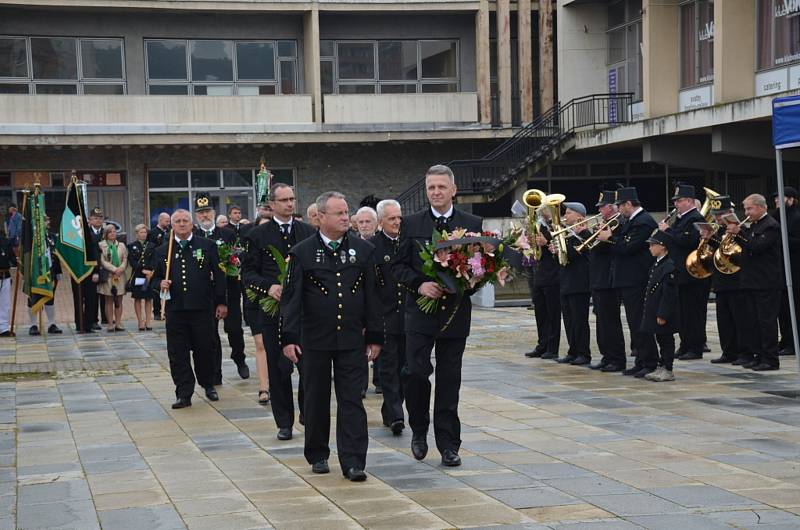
[(139, 255), (113, 266)]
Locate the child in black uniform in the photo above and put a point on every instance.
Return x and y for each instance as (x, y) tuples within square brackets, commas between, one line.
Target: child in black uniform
[(660, 312)]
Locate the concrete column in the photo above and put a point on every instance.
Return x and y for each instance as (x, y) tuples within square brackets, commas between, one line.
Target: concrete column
[(525, 57), (311, 60), (661, 61), (734, 60), (504, 61), (482, 58), (546, 85)]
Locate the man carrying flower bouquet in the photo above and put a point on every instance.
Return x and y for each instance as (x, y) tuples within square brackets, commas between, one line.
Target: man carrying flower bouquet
[(446, 329), (225, 239)]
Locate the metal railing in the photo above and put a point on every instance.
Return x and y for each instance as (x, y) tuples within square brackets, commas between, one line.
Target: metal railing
[(532, 142)]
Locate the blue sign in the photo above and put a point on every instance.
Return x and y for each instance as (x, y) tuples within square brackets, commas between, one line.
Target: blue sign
[(786, 122)]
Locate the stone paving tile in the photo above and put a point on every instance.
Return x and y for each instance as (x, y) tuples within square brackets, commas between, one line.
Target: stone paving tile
[(682, 521), (701, 496)]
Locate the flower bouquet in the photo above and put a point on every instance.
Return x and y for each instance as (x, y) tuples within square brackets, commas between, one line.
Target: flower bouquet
[(462, 261), (229, 260), (269, 305)]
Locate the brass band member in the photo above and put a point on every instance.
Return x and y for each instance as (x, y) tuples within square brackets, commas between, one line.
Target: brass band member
[(546, 294), (682, 238), (632, 262), (659, 321), (786, 344), (608, 331), (761, 277), (575, 289)]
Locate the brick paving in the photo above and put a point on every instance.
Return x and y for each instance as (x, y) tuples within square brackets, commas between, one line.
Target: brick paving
[(88, 440)]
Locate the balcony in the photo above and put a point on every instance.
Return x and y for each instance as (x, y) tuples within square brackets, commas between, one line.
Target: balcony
[(149, 115), (414, 110)]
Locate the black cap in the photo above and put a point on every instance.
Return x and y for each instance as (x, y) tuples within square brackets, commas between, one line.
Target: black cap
[(658, 237), (96, 212), (788, 191), (625, 194), (202, 202), (683, 191), (606, 197), (721, 203)]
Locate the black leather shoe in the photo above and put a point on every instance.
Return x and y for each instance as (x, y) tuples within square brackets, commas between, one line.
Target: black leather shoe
[(320, 467), (706, 349), (643, 372), (34, 331), (690, 356), (212, 394), (243, 369), (635, 369), (450, 458), (549, 355), (765, 367), (419, 447), (750, 364), (96, 327), (6, 333), (741, 361), (536, 352), (566, 360), (722, 360), (580, 360), (182, 403), (397, 427), (285, 433), (598, 365), (355, 475), (613, 367), (54, 330)]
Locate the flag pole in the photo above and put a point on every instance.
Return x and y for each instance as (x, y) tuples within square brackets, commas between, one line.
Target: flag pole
[(169, 266), (16, 275)]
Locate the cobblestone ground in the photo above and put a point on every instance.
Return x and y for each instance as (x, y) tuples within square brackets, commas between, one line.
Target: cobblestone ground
[(88, 440)]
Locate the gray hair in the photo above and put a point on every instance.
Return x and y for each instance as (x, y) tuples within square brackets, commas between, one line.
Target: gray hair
[(441, 169), (275, 187), (381, 206), (180, 211), (310, 206), (757, 199), (366, 209), (139, 227), (322, 200), (221, 217)]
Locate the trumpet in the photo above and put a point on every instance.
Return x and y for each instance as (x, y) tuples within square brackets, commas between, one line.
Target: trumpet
[(592, 241), (727, 258)]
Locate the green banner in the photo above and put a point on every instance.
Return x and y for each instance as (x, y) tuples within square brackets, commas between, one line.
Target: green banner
[(36, 258), (78, 260)]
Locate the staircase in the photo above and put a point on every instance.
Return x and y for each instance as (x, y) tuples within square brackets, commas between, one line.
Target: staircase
[(533, 147)]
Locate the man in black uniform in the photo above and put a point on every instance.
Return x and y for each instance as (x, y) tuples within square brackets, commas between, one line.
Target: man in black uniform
[(8, 259), (546, 295), (157, 235), (446, 330), (608, 328), (761, 277), (786, 344), (734, 317), (207, 228), (682, 238), (393, 354), (260, 274), (195, 284), (575, 290), (330, 304), (632, 261)]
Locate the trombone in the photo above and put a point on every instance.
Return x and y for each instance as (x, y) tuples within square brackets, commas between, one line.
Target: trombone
[(590, 222), (592, 241)]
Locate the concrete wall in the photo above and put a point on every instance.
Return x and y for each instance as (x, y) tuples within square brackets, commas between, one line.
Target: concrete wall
[(134, 27), (401, 108), (734, 54), (409, 26), (661, 49), (582, 50)]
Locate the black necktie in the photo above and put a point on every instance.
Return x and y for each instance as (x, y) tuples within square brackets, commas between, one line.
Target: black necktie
[(285, 229), (441, 223)]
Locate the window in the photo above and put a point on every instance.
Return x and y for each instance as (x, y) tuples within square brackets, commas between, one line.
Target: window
[(697, 42), (61, 65), (389, 66), (221, 67), (624, 47), (778, 33)]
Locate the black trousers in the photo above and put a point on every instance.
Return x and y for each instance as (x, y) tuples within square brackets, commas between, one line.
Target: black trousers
[(190, 331), (766, 306), (706, 295), (393, 359), (658, 350), (575, 308), (449, 354), (547, 309), (734, 322), (84, 304), (633, 301), (785, 319), (280, 375), (608, 330), (692, 315), (233, 322), (351, 418), (531, 273)]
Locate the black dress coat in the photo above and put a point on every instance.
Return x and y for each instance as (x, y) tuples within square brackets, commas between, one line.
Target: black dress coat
[(682, 238), (632, 258), (762, 265), (661, 298), (391, 292)]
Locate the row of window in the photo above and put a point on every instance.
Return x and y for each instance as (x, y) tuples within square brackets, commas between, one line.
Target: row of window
[(69, 65)]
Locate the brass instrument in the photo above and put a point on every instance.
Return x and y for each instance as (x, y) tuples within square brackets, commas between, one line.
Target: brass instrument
[(590, 222), (534, 199), (708, 205), (728, 257), (592, 241), (671, 216), (700, 260), (553, 202)]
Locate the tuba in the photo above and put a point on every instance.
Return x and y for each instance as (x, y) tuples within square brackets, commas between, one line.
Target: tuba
[(728, 257), (534, 199), (708, 204), (700, 260), (553, 202)]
